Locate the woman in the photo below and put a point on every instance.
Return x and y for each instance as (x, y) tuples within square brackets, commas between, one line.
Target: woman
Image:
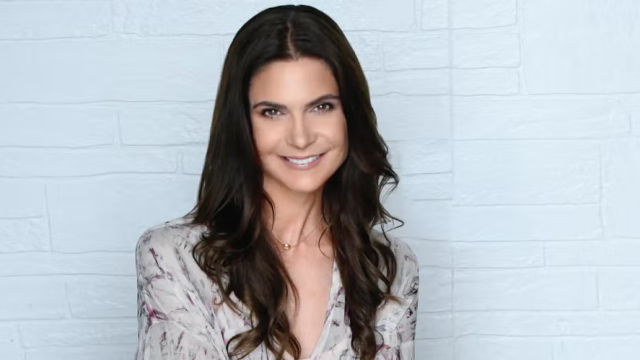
[(279, 258)]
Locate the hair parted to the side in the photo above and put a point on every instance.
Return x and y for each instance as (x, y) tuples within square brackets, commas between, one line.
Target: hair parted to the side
[(236, 252)]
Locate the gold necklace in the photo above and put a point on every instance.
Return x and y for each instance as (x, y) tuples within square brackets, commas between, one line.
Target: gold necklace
[(287, 246)]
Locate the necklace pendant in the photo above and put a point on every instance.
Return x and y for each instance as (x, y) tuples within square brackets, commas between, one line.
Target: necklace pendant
[(286, 246)]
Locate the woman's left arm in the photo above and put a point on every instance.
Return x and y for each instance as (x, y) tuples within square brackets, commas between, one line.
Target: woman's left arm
[(406, 327), (401, 332)]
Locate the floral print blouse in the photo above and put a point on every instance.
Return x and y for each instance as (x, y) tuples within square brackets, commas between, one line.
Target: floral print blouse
[(177, 319)]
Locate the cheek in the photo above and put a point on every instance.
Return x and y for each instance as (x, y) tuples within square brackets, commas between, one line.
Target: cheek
[(338, 132), (263, 138)]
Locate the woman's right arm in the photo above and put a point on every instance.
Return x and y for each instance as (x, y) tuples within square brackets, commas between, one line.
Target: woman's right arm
[(173, 322)]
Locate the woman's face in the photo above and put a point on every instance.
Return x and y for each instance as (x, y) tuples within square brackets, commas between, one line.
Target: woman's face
[(299, 127)]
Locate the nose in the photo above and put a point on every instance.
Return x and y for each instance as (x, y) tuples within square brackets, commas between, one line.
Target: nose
[(300, 133)]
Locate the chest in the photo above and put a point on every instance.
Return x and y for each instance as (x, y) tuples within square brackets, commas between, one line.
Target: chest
[(307, 321)]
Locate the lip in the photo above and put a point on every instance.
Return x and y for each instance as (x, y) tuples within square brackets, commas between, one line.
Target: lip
[(303, 157), (306, 166)]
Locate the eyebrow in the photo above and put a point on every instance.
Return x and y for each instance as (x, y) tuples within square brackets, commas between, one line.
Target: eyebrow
[(307, 105)]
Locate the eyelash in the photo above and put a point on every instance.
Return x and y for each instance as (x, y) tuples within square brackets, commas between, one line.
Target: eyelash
[(263, 112)]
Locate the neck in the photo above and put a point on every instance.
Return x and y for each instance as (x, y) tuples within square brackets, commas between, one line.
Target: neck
[(297, 216)]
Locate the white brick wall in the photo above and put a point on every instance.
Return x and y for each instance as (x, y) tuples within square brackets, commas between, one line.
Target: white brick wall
[(514, 125)]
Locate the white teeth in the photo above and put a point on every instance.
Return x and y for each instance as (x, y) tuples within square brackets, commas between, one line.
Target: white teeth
[(303, 161)]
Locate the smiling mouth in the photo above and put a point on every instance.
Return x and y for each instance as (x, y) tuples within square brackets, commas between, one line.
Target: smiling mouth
[(303, 161)]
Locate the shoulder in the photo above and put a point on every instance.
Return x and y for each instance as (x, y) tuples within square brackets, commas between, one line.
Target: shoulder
[(406, 283), (171, 234), (397, 318), (405, 255), (166, 243)]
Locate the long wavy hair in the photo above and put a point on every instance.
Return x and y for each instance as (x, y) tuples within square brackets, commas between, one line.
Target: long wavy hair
[(236, 252)]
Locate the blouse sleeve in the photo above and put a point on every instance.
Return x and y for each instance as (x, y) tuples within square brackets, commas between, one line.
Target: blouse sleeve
[(400, 337), (406, 327), (173, 322)]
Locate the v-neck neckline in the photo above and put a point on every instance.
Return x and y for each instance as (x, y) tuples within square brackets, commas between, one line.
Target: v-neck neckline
[(330, 310)]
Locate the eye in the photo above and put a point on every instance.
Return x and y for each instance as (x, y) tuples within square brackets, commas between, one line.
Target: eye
[(270, 113), (324, 107)]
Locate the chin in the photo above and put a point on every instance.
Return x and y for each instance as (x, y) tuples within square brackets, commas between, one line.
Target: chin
[(301, 186), (299, 183)]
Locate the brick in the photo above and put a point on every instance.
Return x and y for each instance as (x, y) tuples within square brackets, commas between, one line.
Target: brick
[(96, 352), (547, 222), (211, 18), (379, 15), (428, 50), (368, 49), (442, 349), (488, 173), (184, 18), (68, 333), (435, 325), (193, 160), (435, 14), (631, 105), (431, 253), (166, 125), (491, 81), (102, 296), (409, 82), (10, 347), (552, 323), (525, 289), (484, 13), (425, 157), (427, 220), (609, 252), (21, 198), (546, 118), (68, 163), (619, 288), (413, 117), (134, 203), (557, 59), (40, 263), (498, 255), (619, 348), (503, 348), (12, 352), (34, 20), (427, 186), (53, 126), (110, 69), (435, 289), (485, 48), (24, 234), (621, 176), (225, 41), (32, 297)]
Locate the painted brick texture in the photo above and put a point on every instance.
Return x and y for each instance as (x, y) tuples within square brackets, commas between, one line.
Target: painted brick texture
[(514, 125)]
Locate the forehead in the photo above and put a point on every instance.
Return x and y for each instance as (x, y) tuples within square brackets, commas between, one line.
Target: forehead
[(292, 81)]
